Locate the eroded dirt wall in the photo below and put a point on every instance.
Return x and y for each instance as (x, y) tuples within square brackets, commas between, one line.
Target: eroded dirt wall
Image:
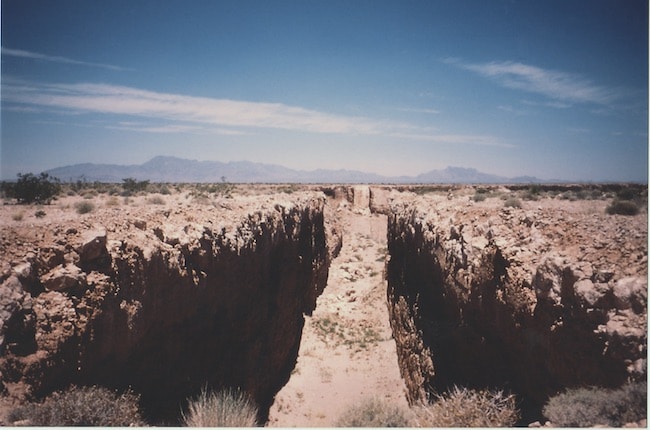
[(529, 300), (163, 305)]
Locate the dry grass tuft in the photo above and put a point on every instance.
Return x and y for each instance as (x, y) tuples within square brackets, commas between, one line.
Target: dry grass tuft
[(373, 413), (588, 407), (462, 407), (81, 406), (225, 408)]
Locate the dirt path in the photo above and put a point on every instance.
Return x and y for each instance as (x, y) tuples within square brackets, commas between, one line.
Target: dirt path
[(347, 351)]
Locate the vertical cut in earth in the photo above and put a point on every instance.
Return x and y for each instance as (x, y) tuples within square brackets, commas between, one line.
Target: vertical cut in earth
[(530, 300), (166, 303)]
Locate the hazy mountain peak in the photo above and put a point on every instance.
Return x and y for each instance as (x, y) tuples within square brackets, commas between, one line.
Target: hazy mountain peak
[(173, 169)]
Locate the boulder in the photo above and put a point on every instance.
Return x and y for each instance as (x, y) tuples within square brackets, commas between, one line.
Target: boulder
[(93, 246), (631, 292), (64, 278)]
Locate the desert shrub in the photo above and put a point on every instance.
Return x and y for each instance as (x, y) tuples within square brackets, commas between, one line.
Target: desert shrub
[(596, 194), (17, 216), (156, 200), (84, 207), (628, 193), (225, 408), (462, 407), (512, 202), (39, 214), (479, 197), (81, 406), (132, 186), (588, 407), (30, 188), (373, 413), (622, 207), (532, 193)]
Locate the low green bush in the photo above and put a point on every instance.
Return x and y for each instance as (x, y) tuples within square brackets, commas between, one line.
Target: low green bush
[(132, 186), (622, 207), (30, 188), (225, 408), (81, 406), (588, 407), (373, 413), (462, 407)]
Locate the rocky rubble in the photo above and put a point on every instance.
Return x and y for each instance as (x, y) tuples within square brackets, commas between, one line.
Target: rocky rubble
[(531, 300), (162, 300)]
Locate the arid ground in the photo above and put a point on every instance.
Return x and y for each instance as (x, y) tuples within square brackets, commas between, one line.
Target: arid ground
[(347, 352)]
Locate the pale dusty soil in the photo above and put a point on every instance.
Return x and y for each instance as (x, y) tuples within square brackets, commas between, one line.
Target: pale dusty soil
[(347, 352), (358, 359)]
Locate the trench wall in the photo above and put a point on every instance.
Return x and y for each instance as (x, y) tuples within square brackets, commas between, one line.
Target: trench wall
[(470, 308), (166, 314)]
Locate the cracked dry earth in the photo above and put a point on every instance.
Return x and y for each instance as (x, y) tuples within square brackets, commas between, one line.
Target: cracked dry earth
[(347, 351)]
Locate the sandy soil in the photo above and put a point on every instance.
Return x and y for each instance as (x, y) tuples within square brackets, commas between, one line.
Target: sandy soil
[(347, 351)]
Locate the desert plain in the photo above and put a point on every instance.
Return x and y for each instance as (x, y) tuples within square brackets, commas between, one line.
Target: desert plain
[(512, 269)]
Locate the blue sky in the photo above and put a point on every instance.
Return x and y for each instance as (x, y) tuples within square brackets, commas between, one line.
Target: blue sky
[(553, 89)]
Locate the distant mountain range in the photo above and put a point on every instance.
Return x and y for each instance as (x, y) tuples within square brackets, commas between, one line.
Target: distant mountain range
[(172, 169)]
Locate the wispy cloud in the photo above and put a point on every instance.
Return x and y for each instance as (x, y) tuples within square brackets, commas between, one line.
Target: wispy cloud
[(513, 110), (457, 139), (418, 110), (112, 99), (57, 59), (551, 104), (173, 128), (556, 85), (174, 113)]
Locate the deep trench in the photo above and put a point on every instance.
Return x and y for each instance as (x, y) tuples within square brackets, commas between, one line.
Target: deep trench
[(461, 345), (223, 312), (234, 318), (479, 332)]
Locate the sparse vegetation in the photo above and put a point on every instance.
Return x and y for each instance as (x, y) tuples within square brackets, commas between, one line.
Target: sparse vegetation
[(132, 186), (373, 413), (18, 216), (356, 338), (479, 197), (112, 201), (202, 191), (534, 192), (512, 202), (84, 207), (588, 407), (462, 407), (622, 207), (30, 188), (81, 406), (156, 200), (225, 408), (39, 213)]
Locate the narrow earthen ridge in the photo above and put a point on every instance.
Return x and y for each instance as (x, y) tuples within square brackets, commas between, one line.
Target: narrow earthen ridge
[(528, 300), (164, 305)]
